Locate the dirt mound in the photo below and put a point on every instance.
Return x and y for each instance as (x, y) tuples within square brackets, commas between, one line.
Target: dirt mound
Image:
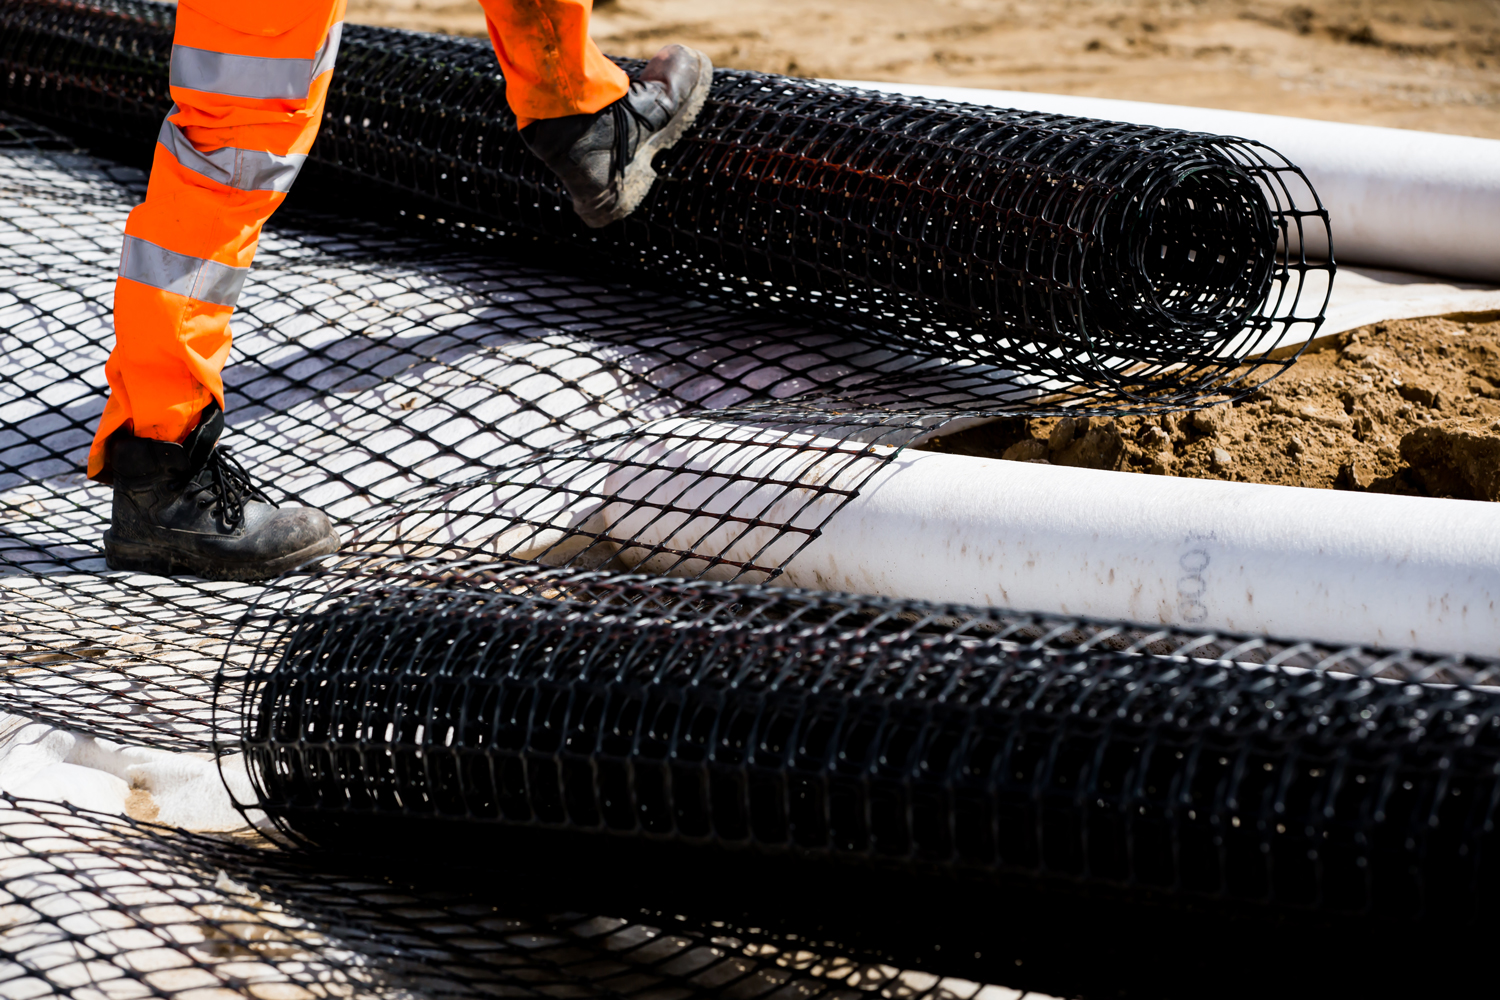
[(1408, 406)]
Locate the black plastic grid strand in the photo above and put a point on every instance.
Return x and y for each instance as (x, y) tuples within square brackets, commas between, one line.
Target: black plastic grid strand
[(949, 742), (1131, 265), (101, 906)]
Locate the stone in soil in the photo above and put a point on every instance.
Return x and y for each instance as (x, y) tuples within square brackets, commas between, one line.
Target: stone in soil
[(1406, 406)]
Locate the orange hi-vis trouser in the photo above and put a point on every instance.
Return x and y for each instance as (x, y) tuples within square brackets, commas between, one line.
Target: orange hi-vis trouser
[(249, 80)]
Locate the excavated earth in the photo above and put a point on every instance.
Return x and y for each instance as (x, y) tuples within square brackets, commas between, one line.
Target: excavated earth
[(1406, 406)]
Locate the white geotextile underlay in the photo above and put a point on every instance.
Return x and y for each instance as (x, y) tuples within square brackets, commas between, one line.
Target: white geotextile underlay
[(45, 763), (1363, 295)]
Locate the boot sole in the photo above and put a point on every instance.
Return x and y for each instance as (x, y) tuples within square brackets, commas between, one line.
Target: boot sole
[(143, 559), (639, 174)]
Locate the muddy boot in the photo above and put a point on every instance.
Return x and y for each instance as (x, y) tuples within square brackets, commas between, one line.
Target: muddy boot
[(190, 509), (604, 159)]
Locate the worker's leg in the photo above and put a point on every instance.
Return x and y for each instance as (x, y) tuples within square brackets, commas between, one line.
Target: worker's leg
[(595, 127), (249, 80), (552, 67)]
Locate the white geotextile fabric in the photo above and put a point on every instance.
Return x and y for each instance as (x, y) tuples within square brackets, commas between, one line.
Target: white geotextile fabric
[(189, 791)]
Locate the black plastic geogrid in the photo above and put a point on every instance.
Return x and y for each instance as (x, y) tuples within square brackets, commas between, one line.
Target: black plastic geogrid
[(872, 786), (1129, 265), (105, 907), (918, 737)]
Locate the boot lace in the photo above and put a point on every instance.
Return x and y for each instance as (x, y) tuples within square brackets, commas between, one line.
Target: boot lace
[(623, 111), (229, 486)]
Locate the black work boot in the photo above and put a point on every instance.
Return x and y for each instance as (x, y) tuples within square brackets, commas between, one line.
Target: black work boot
[(604, 159), (190, 509)]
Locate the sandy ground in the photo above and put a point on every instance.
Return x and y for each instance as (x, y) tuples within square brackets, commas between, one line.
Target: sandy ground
[(1424, 64), (1408, 406)]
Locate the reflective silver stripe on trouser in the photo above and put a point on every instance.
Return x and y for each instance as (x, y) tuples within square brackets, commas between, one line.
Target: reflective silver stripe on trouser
[(194, 277), (253, 76), (324, 58), (245, 169)]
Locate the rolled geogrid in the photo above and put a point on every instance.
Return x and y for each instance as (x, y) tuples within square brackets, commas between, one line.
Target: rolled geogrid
[(1137, 261), (963, 750)]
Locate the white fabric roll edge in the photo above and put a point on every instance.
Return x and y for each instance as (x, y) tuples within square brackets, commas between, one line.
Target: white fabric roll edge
[(45, 763), (1326, 565)]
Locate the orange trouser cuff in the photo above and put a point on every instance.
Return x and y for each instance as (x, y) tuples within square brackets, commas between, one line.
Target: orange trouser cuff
[(552, 67), (159, 385)]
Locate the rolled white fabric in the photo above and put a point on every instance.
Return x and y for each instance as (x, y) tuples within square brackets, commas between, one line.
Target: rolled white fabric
[(183, 790), (78, 786), (42, 763), (1298, 563), (750, 495), (1396, 198)]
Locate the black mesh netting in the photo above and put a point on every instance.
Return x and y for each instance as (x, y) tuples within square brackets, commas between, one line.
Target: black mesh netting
[(1132, 264), (765, 793), (779, 794), (96, 906), (917, 737)]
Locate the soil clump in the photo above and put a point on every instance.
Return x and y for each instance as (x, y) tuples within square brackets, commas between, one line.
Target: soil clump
[(1404, 406)]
